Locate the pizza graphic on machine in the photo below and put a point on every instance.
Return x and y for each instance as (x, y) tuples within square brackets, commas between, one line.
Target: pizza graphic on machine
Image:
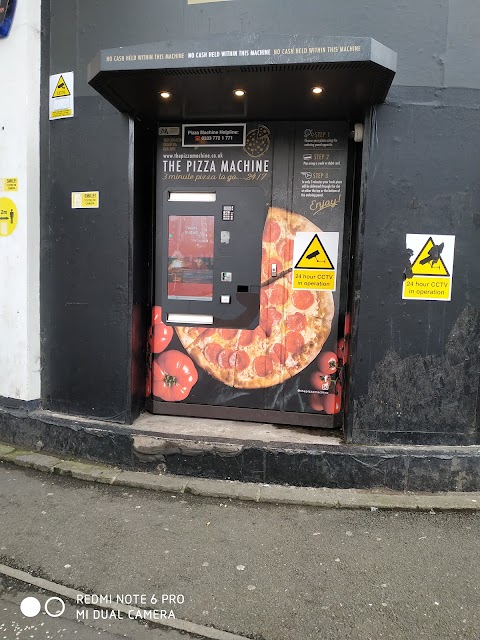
[(293, 324)]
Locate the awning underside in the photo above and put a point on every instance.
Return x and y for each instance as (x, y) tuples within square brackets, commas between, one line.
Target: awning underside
[(132, 78)]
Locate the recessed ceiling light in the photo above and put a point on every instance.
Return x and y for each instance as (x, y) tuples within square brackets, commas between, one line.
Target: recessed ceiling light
[(317, 90), (165, 95), (239, 93)]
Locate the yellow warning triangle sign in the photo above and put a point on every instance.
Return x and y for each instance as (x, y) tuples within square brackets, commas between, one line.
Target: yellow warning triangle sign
[(429, 261), (61, 90), (315, 256)]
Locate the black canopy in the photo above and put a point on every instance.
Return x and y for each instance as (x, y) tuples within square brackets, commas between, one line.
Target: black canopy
[(277, 72)]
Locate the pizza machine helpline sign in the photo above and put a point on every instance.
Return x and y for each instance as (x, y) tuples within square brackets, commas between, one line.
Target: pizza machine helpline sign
[(430, 273), (315, 257), (61, 101), (214, 135)]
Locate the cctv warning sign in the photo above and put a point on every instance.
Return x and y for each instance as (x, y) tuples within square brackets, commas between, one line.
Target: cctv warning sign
[(61, 90), (315, 257), (61, 103), (430, 273), (429, 261)]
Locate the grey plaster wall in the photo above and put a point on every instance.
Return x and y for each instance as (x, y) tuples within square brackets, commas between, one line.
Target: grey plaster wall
[(434, 39)]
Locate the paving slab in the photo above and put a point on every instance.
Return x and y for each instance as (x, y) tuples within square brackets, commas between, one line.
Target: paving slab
[(299, 495), (150, 481), (89, 472), (223, 489), (5, 449), (37, 461)]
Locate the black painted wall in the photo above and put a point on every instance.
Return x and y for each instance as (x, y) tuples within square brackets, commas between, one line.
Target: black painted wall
[(415, 374), (416, 364)]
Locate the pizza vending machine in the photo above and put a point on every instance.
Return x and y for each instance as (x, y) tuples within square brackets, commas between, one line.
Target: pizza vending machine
[(249, 238)]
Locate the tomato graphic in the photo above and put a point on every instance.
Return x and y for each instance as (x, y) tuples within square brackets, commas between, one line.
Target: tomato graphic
[(316, 401), (156, 314), (342, 349), (332, 403), (160, 334), (319, 381), (327, 362), (348, 324), (148, 380), (148, 385), (174, 375)]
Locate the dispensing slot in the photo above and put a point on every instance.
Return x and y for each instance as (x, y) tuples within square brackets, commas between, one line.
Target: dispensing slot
[(189, 318), (192, 196)]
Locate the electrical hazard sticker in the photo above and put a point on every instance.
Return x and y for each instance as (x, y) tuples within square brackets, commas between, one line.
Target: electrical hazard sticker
[(429, 274), (85, 199), (8, 184), (61, 104), (315, 258), (8, 216)]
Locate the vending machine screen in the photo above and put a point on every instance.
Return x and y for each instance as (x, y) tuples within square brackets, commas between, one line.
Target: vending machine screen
[(190, 257)]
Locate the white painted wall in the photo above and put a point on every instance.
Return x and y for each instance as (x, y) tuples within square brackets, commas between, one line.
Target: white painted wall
[(19, 252)]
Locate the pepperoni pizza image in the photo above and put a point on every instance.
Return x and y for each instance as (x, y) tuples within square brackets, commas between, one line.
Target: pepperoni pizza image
[(293, 327)]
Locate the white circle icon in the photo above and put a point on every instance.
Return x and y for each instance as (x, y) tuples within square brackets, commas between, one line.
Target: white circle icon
[(30, 607), (58, 613)]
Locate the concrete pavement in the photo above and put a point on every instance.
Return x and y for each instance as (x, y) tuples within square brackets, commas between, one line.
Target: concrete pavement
[(257, 570)]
